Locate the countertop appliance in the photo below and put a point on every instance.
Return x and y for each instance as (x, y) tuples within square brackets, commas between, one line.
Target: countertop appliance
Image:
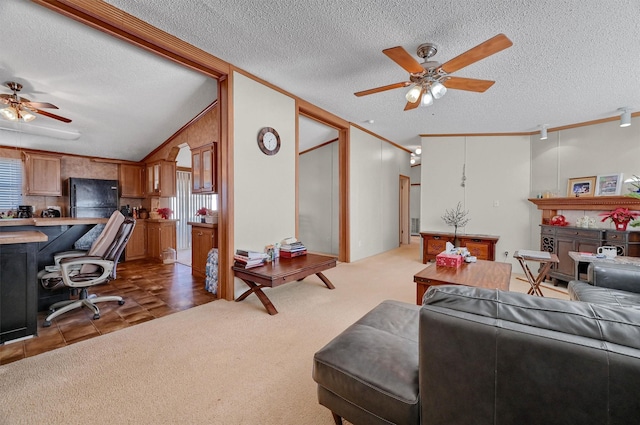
[(92, 197), (25, 211)]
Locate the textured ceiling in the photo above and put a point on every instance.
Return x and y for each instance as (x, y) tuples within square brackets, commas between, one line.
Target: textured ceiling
[(571, 61), (123, 101)]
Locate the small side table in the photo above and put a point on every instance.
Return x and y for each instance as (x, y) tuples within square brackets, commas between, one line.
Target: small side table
[(546, 259)]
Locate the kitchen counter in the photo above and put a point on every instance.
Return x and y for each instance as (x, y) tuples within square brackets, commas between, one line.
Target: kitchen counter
[(50, 221), (199, 224), (22, 237), (19, 283)]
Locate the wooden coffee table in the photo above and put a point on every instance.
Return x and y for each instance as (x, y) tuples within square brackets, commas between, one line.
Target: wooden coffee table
[(281, 271), (482, 274)]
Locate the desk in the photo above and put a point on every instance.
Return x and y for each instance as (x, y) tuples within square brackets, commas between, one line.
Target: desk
[(481, 274), (18, 284), (281, 271), (582, 257), (545, 259)]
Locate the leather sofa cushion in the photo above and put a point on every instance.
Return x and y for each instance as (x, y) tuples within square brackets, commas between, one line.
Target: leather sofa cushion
[(582, 291), (501, 358), (373, 364), (594, 321), (625, 277)]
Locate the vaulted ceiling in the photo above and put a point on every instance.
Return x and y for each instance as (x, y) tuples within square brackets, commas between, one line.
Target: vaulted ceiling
[(571, 61)]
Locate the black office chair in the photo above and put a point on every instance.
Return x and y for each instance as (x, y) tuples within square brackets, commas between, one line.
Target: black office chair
[(97, 266)]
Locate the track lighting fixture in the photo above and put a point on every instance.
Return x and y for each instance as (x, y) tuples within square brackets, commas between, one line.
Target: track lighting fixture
[(543, 132), (418, 150), (625, 117)]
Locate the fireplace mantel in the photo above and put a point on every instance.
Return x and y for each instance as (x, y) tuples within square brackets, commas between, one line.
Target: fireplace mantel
[(550, 206)]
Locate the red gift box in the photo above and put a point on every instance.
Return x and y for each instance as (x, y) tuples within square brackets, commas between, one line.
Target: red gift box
[(448, 260)]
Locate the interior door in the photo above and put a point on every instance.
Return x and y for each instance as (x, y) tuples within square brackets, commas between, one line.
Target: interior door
[(405, 233)]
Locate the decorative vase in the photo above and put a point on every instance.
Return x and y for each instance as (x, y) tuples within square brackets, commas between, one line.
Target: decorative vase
[(621, 225), (202, 219)]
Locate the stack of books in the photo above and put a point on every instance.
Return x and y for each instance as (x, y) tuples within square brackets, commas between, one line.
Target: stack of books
[(248, 259), (293, 249)]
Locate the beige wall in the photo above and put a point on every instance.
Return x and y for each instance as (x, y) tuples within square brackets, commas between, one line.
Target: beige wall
[(375, 167), (264, 186), (591, 150), (497, 184)]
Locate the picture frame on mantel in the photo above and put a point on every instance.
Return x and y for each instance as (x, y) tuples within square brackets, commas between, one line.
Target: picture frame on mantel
[(581, 187), (609, 184)]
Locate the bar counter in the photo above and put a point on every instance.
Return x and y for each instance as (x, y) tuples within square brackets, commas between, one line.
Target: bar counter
[(61, 234), (18, 283), (50, 221)]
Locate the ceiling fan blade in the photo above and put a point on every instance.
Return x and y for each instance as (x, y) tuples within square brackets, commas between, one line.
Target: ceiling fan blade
[(383, 88), (414, 105), (481, 51), (50, 115), (39, 105), (469, 84), (404, 59)]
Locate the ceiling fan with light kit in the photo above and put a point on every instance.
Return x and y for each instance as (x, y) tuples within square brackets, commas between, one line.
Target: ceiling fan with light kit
[(22, 109), (430, 80)]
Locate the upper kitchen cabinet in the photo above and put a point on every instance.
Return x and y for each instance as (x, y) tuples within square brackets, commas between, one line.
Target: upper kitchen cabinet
[(43, 174), (204, 166), (161, 179), (131, 178)]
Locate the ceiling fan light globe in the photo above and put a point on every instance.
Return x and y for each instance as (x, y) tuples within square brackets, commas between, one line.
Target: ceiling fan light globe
[(427, 99), (413, 94), (438, 90), (27, 116), (9, 113)]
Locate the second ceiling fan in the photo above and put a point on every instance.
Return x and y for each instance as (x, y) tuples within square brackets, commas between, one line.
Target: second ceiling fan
[(430, 79)]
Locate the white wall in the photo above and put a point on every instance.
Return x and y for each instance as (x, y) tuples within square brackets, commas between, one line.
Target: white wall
[(318, 207), (496, 189), (581, 152), (264, 186), (375, 169)]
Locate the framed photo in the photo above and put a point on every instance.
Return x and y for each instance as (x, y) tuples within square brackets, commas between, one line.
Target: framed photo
[(581, 187), (609, 184)]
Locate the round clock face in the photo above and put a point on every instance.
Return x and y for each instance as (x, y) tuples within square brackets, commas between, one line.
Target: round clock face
[(269, 141)]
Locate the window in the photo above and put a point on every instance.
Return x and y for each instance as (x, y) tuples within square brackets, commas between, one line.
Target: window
[(11, 187)]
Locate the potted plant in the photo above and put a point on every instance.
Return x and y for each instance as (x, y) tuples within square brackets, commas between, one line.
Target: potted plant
[(165, 213), (620, 217), (456, 218), (201, 213)]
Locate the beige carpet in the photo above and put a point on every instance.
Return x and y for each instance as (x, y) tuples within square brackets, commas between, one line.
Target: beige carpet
[(219, 363)]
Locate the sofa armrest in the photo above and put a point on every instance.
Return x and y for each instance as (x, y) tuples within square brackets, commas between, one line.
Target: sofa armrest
[(625, 277)]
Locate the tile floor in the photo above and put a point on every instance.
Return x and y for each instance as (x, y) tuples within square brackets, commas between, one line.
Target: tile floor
[(150, 290)]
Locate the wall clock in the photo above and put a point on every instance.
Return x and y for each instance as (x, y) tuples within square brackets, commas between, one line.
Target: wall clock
[(269, 141)]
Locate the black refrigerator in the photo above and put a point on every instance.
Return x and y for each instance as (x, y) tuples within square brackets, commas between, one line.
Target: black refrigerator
[(92, 197)]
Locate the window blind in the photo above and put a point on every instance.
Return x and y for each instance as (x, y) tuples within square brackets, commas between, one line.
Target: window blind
[(10, 184)]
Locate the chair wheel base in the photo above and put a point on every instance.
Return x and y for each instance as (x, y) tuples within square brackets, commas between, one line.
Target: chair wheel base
[(121, 302), (96, 316), (46, 323)]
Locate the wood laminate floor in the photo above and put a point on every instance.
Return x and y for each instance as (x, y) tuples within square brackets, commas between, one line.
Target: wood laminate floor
[(150, 290)]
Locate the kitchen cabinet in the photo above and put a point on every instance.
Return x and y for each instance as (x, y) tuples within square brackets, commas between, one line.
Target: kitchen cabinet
[(43, 174), (161, 179), (483, 247), (137, 246), (203, 169), (161, 234), (204, 236), (131, 178)]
